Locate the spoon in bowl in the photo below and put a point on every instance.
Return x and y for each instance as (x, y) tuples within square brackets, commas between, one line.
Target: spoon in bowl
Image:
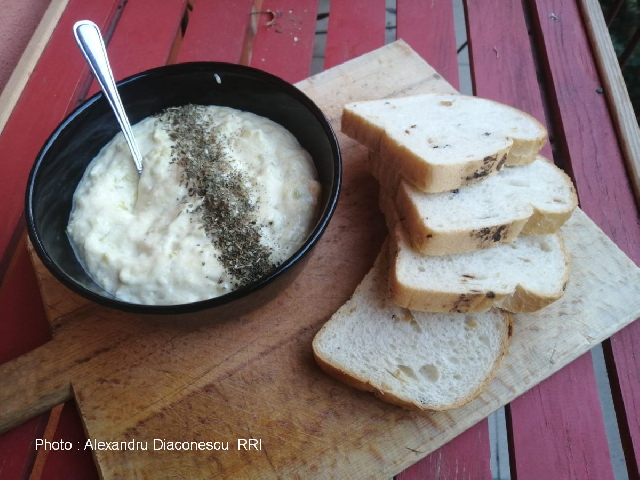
[(91, 45)]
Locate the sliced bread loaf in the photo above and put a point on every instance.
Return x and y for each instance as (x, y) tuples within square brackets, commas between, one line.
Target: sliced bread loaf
[(416, 360), (522, 276), (535, 199), (442, 141)]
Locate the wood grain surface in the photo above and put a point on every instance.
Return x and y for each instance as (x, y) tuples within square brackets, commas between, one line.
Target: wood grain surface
[(355, 27), (134, 49), (254, 377), (22, 138), (556, 414), (283, 43), (586, 133), (152, 46), (428, 28), (11, 92), (202, 42), (50, 91), (589, 144), (615, 88), (503, 69), (500, 57), (466, 456), (19, 449)]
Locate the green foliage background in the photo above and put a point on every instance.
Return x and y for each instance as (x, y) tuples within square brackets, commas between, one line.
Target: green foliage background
[(621, 30)]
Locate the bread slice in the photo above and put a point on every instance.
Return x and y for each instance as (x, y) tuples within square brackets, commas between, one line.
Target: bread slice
[(535, 199), (522, 276), (416, 360), (442, 141)]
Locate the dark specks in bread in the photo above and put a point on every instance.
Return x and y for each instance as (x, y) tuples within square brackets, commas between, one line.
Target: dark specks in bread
[(501, 162), (462, 304), (486, 168), (491, 234)]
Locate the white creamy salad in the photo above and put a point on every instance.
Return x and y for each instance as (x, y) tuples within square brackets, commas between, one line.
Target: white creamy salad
[(224, 197)]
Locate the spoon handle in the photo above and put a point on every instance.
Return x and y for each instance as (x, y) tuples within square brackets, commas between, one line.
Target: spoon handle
[(92, 46)]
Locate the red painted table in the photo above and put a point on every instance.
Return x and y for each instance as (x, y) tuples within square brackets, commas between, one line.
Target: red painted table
[(540, 56)]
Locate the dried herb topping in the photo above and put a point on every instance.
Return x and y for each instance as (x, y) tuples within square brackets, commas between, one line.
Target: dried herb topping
[(227, 213)]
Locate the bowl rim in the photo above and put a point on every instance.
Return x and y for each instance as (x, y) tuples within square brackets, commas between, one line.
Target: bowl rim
[(234, 295)]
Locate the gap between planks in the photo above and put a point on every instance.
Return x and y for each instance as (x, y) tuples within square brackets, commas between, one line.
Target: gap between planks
[(49, 433), (621, 437), (249, 35), (184, 24), (615, 89), (21, 74)]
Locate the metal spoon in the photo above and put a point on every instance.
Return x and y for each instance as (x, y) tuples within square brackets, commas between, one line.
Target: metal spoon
[(92, 46)]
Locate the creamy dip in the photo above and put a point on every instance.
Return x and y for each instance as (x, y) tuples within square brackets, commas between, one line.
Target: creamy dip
[(155, 239)]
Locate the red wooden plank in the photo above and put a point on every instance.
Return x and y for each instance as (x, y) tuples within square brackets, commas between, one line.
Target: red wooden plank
[(76, 463), (216, 31), (500, 47), (23, 307), (557, 430), (588, 137), (17, 24), (133, 49), (603, 187), (283, 35), (622, 354), (456, 459), (503, 69), (428, 27), (48, 434), (355, 27), (51, 92), (23, 327), (17, 448), (153, 45)]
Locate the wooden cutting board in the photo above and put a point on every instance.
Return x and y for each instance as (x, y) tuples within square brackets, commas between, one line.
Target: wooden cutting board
[(201, 379)]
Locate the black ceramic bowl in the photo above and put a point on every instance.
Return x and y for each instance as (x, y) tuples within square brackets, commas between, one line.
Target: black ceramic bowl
[(78, 139)]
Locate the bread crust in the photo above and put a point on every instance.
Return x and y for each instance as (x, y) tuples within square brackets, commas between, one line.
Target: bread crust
[(354, 381), (449, 241), (521, 300), (443, 242), (435, 178), (524, 301), (432, 178), (544, 222)]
